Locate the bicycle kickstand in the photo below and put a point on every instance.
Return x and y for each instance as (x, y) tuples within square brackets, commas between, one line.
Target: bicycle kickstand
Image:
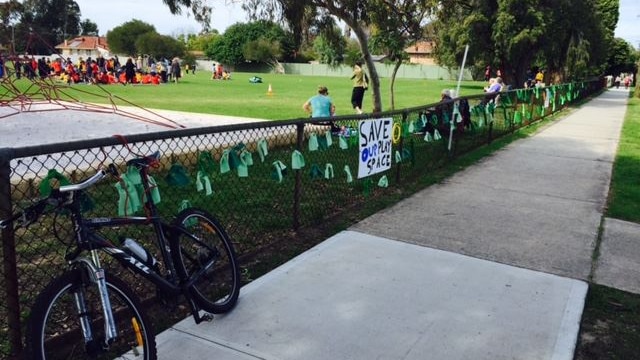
[(195, 311)]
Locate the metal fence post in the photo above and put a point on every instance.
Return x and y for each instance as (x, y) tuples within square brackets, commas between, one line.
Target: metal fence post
[(401, 145), (9, 269), (297, 191)]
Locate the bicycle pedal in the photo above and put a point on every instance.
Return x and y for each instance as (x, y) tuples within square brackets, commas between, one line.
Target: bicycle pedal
[(207, 317)]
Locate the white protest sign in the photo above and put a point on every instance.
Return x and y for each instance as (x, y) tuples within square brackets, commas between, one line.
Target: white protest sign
[(375, 146)]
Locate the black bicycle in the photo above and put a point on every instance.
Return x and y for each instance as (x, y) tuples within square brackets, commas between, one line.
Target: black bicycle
[(87, 313)]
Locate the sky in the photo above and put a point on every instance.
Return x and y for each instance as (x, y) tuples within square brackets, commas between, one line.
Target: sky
[(110, 14), (628, 23), (228, 12)]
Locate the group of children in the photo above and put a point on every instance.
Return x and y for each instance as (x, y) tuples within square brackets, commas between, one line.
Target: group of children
[(220, 73), (89, 71)]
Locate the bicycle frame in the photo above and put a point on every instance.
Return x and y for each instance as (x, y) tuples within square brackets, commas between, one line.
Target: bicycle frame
[(89, 240)]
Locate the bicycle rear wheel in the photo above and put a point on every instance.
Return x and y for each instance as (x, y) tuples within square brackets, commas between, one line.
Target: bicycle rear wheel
[(218, 287), (54, 331)]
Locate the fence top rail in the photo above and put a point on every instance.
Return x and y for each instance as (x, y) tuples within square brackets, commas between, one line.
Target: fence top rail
[(7, 154)]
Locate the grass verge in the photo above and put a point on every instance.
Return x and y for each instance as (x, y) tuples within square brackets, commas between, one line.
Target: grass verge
[(610, 326)]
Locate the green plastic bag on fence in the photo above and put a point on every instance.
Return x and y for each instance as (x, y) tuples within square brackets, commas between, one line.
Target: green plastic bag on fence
[(328, 171), (154, 189), (366, 186), (224, 162), (383, 182), (313, 142), (203, 182), (45, 186), (406, 131), (242, 169), (322, 143), (354, 138), (328, 138), (128, 197), (177, 176), (234, 156), (406, 154), (206, 164), (263, 149), (315, 172), (297, 160), (348, 173), (517, 118), (436, 135), (342, 141), (246, 157), (279, 171)]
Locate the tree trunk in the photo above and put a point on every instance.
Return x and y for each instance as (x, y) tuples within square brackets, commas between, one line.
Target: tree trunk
[(393, 81)]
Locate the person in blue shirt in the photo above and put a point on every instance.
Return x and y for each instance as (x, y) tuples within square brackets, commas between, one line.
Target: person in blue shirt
[(320, 105)]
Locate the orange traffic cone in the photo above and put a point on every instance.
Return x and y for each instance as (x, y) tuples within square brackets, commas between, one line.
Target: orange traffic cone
[(270, 91)]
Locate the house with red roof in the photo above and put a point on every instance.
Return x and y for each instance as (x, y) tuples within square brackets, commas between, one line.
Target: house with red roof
[(85, 46)]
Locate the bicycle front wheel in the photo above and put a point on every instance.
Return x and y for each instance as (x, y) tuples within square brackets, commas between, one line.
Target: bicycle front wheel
[(205, 248), (54, 330)]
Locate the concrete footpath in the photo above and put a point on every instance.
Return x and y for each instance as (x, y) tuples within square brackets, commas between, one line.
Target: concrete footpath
[(489, 264)]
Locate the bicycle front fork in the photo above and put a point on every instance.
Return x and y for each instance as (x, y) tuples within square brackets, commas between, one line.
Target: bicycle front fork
[(96, 276)]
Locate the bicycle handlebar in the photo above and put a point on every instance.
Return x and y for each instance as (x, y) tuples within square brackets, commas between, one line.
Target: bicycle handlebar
[(85, 184), (33, 212)]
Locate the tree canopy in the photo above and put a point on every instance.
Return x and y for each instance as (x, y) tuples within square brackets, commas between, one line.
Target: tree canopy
[(122, 39), (231, 48), (40, 25), (569, 38)]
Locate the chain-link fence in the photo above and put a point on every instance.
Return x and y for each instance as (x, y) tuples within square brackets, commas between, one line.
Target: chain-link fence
[(244, 175)]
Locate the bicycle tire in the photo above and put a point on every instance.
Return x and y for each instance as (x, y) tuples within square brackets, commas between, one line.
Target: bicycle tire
[(53, 329), (218, 289)]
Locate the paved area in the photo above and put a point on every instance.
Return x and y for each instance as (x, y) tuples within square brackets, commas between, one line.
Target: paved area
[(489, 264), (358, 296), (535, 204), (49, 123), (619, 261)]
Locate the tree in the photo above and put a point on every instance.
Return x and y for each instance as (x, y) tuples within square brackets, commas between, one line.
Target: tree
[(122, 39), (159, 46), (50, 22), (199, 42), (354, 13), (623, 58), (263, 51), (566, 37), (10, 15), (229, 48), (393, 33), (88, 27), (330, 46)]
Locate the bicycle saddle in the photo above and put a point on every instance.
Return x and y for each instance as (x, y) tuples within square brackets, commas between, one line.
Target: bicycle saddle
[(145, 161)]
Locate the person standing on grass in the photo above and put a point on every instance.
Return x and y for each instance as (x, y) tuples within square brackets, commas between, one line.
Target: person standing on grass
[(320, 105), (175, 69), (359, 86), (129, 71)]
